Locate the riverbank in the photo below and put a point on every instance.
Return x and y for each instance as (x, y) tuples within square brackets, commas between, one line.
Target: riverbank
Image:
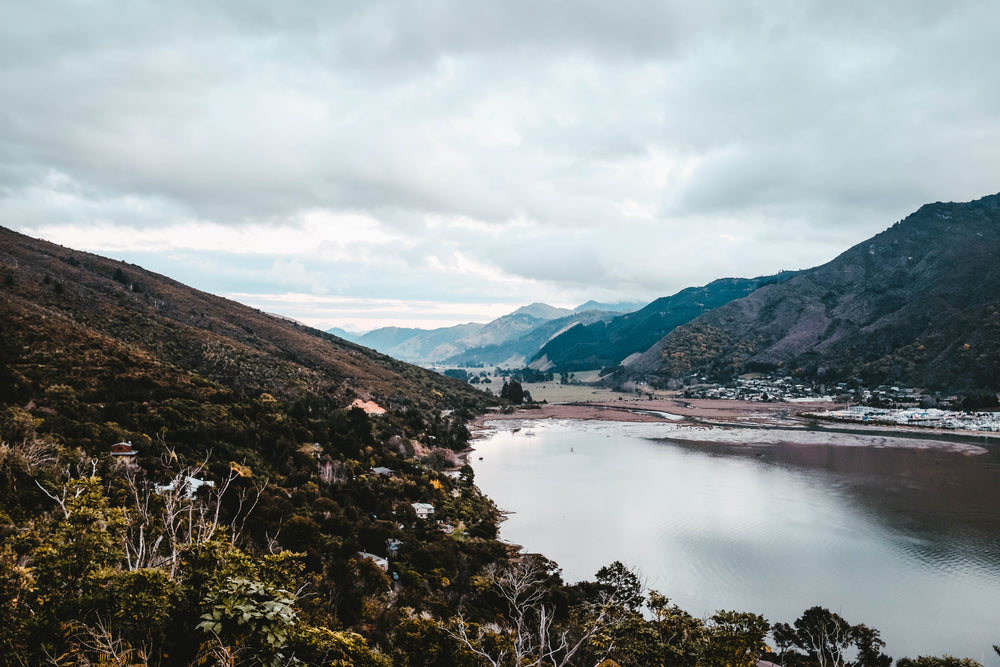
[(746, 422)]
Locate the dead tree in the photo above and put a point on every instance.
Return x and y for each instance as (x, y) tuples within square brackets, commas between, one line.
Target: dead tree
[(527, 636)]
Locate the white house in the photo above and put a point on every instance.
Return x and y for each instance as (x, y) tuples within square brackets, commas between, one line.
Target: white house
[(190, 486), (423, 510)]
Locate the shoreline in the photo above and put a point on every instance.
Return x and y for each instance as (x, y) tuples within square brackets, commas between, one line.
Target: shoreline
[(742, 422)]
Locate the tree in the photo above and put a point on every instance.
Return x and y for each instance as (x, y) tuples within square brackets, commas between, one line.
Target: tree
[(617, 582), (736, 639), (869, 644), (825, 636), (672, 638), (944, 661), (527, 635), (252, 615), (513, 392)]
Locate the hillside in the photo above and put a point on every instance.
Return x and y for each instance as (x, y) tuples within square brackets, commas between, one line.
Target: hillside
[(108, 328), (608, 343), (918, 304)]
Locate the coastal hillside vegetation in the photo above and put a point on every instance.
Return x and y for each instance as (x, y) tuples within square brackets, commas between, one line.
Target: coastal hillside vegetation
[(188, 481)]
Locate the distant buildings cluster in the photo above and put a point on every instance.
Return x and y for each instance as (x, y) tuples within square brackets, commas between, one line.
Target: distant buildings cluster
[(885, 404), (928, 417)]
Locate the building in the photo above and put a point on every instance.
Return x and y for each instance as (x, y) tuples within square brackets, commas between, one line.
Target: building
[(423, 510), (123, 449), (189, 486)]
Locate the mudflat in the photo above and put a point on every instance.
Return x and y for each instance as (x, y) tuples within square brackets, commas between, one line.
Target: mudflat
[(747, 422)]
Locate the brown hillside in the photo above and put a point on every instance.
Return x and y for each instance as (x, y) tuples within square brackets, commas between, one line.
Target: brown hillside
[(105, 327)]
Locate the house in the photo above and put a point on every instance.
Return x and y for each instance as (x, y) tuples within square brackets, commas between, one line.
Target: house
[(123, 449), (381, 470), (423, 510), (189, 486), (378, 560)]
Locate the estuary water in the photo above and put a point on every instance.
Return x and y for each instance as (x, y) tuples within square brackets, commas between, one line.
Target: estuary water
[(903, 540)]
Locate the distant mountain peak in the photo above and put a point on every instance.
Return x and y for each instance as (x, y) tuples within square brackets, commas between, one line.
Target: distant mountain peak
[(543, 311), (619, 307)]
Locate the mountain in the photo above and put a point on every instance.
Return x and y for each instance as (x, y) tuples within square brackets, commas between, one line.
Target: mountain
[(511, 338), (416, 345), (542, 311), (621, 307), (918, 304), (515, 350), (430, 344), (349, 336), (608, 343), (107, 329)]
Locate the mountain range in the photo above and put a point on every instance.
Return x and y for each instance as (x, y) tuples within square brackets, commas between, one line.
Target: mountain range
[(918, 304), (609, 342), (509, 340)]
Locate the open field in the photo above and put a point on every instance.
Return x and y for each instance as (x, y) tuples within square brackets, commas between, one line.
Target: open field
[(583, 390)]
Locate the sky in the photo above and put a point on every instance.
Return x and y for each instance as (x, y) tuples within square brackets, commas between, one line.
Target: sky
[(433, 162)]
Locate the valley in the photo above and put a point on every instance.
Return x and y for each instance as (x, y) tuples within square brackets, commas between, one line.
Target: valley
[(168, 452)]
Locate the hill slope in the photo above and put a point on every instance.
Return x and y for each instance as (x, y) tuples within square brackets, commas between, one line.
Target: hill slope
[(105, 328), (917, 304), (245, 472), (607, 343)]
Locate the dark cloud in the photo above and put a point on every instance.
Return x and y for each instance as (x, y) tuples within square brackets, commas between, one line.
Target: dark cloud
[(557, 147)]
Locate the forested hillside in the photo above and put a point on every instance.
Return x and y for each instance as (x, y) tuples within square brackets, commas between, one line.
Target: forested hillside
[(918, 304), (608, 343)]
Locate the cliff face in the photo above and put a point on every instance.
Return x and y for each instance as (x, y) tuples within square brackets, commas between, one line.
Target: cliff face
[(918, 303)]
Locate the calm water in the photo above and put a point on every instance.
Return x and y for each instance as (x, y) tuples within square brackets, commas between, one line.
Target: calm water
[(904, 541)]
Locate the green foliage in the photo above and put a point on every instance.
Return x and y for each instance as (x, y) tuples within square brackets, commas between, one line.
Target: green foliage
[(250, 613), (943, 661), (617, 582), (671, 638), (512, 392), (735, 639), (322, 646), (426, 642), (15, 586), (824, 637)]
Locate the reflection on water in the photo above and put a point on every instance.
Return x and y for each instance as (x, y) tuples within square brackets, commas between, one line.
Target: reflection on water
[(907, 541)]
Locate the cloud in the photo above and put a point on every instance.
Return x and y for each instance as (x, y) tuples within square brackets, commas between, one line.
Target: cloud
[(564, 150)]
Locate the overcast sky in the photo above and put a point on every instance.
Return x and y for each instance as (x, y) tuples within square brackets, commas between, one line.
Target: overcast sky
[(434, 162)]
